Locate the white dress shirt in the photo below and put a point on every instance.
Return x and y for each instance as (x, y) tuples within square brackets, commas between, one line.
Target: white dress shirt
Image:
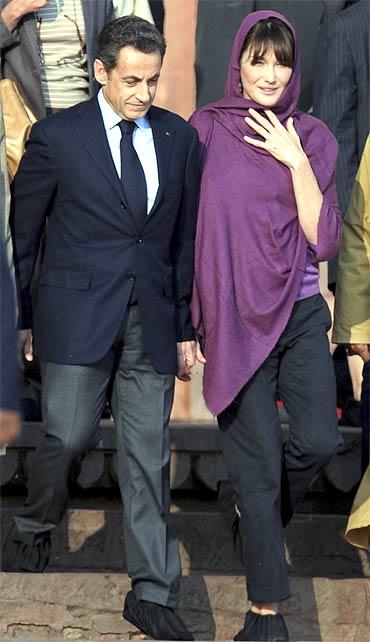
[(143, 142)]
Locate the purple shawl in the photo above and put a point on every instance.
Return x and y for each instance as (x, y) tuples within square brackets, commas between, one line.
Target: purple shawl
[(250, 252)]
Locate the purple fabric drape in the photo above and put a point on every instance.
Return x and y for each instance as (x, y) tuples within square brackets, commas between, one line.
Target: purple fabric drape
[(250, 251)]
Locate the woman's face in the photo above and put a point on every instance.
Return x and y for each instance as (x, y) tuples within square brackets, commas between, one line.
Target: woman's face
[(265, 80)]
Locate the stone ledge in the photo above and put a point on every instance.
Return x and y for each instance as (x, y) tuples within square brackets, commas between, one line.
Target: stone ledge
[(196, 456), (187, 436), (92, 540), (88, 606)]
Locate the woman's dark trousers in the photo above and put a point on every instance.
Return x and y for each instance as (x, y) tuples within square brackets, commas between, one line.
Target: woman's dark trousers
[(270, 478)]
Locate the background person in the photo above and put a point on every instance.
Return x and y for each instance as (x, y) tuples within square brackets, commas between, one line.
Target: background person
[(341, 100), (268, 213), (352, 325), (9, 393), (9, 399), (48, 48)]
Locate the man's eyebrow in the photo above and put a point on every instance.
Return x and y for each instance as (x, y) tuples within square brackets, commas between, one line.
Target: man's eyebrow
[(132, 77)]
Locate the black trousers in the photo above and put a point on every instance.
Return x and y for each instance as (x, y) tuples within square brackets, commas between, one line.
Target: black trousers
[(269, 478)]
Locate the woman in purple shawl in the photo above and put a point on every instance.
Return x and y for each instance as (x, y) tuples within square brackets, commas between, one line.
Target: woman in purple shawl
[(268, 214)]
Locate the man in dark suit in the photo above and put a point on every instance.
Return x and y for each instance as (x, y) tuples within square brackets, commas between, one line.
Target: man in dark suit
[(117, 180)]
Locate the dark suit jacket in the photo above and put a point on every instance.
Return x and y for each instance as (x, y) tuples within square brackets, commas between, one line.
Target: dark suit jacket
[(342, 89), (94, 250), (9, 398), (20, 59)]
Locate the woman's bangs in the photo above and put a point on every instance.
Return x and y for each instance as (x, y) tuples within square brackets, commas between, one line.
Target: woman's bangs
[(270, 35)]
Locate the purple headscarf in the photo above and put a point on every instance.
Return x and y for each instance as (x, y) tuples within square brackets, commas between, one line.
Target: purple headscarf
[(250, 252)]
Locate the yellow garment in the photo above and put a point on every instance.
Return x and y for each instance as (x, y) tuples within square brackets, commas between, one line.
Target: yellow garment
[(18, 120), (358, 527), (352, 314), (352, 299)]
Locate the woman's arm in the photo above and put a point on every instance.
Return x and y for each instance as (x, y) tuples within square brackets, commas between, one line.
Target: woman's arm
[(308, 196)]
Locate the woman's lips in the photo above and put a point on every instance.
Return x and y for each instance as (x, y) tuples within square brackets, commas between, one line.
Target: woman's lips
[(269, 90)]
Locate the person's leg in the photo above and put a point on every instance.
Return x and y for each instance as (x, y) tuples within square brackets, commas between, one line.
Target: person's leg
[(72, 399), (365, 417), (355, 367), (253, 451), (141, 406), (307, 388)]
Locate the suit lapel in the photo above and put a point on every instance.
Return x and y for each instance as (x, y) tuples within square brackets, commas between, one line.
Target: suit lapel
[(163, 137), (89, 127)]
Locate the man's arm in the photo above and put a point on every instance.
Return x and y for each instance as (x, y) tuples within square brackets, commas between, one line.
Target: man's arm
[(335, 100), (183, 243), (11, 13), (33, 190), (183, 262)]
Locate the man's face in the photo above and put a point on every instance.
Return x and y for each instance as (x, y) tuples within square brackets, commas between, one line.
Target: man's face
[(130, 87)]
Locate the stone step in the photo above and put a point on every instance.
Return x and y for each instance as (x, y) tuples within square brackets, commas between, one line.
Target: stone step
[(88, 606), (91, 540), (196, 457)]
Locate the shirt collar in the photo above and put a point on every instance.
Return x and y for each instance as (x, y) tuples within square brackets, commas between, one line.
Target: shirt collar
[(111, 118)]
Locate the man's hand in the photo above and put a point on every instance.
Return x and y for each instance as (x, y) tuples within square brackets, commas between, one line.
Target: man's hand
[(9, 426), (362, 349), (186, 358), (16, 9), (25, 345), (200, 356)]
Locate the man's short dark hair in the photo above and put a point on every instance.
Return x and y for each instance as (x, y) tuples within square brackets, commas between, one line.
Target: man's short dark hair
[(128, 31)]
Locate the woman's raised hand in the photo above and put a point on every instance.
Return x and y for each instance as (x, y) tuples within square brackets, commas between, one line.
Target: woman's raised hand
[(281, 142)]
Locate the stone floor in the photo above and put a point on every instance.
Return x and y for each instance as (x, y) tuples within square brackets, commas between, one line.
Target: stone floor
[(78, 606)]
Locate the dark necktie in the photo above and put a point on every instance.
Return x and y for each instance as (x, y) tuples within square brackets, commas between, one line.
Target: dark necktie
[(132, 174)]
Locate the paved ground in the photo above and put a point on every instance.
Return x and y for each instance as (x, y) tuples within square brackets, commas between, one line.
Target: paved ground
[(78, 606)]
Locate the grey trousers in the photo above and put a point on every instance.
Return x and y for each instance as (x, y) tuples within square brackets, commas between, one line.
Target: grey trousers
[(72, 401)]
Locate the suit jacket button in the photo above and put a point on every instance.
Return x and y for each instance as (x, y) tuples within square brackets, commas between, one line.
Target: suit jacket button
[(130, 276), (123, 206), (138, 241)]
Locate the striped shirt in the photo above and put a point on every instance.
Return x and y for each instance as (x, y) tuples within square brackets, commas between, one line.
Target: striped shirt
[(63, 61)]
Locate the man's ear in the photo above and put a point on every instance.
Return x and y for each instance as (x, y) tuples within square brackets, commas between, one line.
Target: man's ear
[(100, 72)]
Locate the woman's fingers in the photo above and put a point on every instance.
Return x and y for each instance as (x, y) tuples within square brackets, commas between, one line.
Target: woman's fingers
[(261, 120), (257, 128), (292, 131), (273, 119), (254, 142)]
